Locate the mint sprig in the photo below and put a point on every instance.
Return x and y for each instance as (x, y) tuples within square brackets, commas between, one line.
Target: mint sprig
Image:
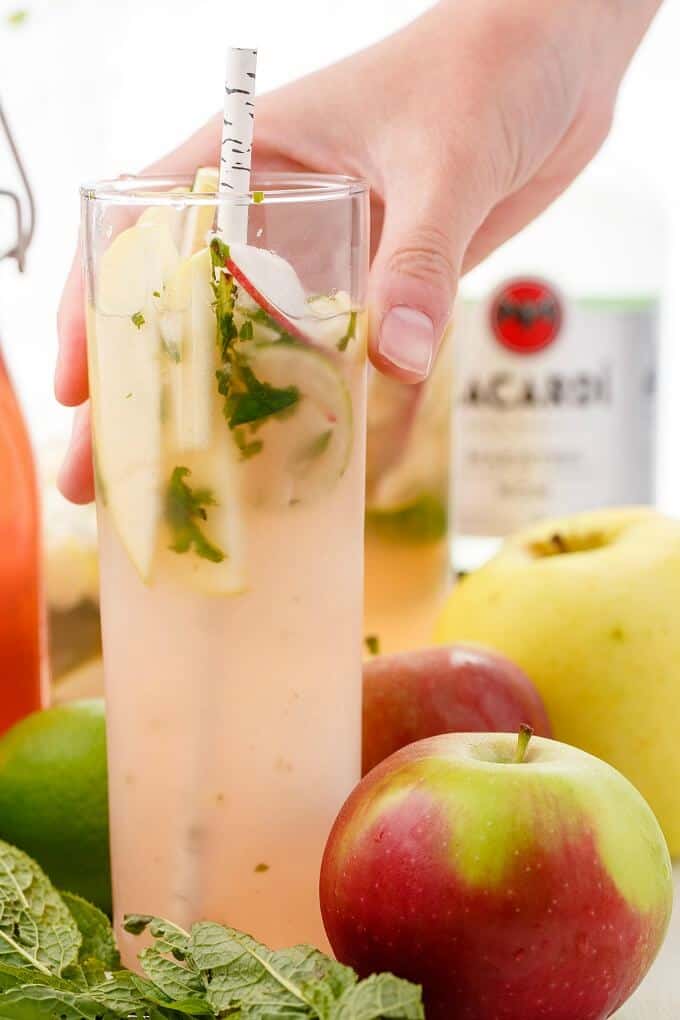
[(68, 967), (247, 399)]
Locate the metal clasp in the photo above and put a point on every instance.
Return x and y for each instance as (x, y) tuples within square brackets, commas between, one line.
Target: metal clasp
[(24, 231)]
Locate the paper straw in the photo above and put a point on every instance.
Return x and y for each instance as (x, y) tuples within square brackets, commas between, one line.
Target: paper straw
[(237, 142)]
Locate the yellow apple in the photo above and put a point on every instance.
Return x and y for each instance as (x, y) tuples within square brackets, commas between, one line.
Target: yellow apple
[(588, 607)]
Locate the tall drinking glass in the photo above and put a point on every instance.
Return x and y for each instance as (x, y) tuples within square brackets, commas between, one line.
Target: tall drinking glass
[(228, 392), (407, 552)]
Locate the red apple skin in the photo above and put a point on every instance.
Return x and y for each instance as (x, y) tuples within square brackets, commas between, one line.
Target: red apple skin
[(554, 940), (460, 689), (258, 297)]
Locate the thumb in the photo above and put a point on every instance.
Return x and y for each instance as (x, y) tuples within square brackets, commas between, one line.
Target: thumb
[(415, 273)]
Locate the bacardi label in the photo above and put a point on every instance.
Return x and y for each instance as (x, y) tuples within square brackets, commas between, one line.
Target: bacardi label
[(555, 406)]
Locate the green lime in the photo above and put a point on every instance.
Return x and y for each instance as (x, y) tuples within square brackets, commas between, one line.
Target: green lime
[(54, 796)]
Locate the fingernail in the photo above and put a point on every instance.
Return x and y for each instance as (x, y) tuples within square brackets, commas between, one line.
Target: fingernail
[(407, 340)]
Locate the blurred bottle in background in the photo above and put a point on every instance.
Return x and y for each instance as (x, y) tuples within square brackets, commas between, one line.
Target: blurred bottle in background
[(22, 675), (406, 548), (555, 370)]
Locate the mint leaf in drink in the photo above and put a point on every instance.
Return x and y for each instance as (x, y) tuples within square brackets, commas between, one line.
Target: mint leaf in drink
[(95, 929), (258, 196), (251, 400), (246, 330), (350, 333), (138, 320), (248, 447), (36, 928), (372, 642), (313, 449), (380, 996), (184, 508)]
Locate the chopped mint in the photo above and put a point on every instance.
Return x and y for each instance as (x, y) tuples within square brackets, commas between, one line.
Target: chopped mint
[(372, 642), (258, 196), (248, 448), (261, 868), (16, 18), (138, 320), (128, 395), (424, 520), (156, 293), (350, 333), (246, 330), (183, 509), (250, 400)]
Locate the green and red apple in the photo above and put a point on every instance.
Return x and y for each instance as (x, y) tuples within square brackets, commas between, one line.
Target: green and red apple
[(588, 607), (459, 689), (513, 883)]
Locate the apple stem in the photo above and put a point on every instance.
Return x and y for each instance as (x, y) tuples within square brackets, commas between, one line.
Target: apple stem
[(523, 737)]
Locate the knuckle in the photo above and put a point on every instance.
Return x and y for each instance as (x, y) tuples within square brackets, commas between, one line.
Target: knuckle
[(426, 257)]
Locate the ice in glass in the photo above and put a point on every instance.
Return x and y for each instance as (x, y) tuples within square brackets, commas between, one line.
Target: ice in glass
[(228, 389)]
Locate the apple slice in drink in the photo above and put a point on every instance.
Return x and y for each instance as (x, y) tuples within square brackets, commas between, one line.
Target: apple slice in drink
[(187, 326), (306, 448), (272, 285), (125, 364), (199, 220)]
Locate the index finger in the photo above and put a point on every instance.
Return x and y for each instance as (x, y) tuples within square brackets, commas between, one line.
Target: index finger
[(70, 380)]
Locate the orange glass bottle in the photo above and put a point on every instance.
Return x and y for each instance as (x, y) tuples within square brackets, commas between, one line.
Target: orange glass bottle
[(23, 686), (21, 632)]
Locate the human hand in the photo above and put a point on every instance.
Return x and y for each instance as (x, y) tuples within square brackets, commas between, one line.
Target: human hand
[(466, 124)]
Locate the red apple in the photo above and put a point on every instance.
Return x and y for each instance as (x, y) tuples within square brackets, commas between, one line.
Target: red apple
[(513, 884), (461, 689)]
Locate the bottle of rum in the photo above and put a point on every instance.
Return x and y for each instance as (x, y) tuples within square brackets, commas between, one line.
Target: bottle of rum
[(556, 358)]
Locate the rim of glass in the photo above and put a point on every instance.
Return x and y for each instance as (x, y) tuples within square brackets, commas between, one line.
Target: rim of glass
[(267, 187)]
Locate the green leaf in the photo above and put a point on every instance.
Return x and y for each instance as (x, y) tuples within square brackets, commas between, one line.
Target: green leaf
[(174, 979), (36, 928), (260, 982), (95, 929), (30, 1002), (251, 400), (183, 508), (15, 977), (138, 320), (380, 996)]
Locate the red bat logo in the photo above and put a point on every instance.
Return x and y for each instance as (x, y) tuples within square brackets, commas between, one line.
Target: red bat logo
[(526, 316)]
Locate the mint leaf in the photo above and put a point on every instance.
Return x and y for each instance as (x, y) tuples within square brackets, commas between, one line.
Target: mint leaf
[(95, 930), (248, 448), (380, 996), (372, 642), (260, 982), (184, 507), (174, 979), (16, 18), (36, 928), (138, 320), (252, 401), (30, 1002), (15, 977)]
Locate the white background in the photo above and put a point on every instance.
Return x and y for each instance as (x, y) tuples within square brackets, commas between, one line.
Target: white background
[(95, 88)]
